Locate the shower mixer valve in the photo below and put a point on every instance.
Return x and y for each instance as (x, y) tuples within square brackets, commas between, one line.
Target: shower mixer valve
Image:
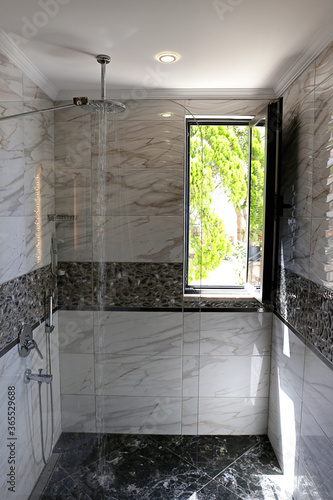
[(27, 343)]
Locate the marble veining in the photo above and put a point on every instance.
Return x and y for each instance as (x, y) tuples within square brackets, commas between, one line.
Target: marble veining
[(118, 466), (22, 300)]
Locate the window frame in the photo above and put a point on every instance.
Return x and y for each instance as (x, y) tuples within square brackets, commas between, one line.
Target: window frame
[(272, 115)]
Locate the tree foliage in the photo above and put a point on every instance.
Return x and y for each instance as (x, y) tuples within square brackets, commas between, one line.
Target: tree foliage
[(218, 157)]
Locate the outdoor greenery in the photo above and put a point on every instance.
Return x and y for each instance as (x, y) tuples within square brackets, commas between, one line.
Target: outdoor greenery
[(219, 157)]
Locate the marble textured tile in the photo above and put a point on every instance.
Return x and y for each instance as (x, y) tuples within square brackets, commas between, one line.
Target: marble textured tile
[(12, 246), (237, 416), (12, 189), (318, 392), (157, 333), (237, 107), (39, 185), (300, 88), (138, 239), (285, 399), (254, 475), (191, 335), (316, 453), (76, 332), (190, 378), (149, 110), (73, 143), (234, 376), (77, 374), (189, 421), (38, 234), (78, 413), (135, 191), (75, 240), (12, 132), (73, 190), (11, 81), (235, 334), (138, 414), (138, 375), (117, 466)]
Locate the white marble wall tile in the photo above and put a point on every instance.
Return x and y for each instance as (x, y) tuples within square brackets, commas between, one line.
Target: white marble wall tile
[(151, 132), (73, 144), (138, 239), (38, 234), (75, 240), (11, 132), (285, 399), (32, 93), (12, 188), (12, 247), (288, 353), (76, 330), (77, 374), (11, 81), (39, 185), (136, 375), (324, 68), (78, 413), (73, 190), (246, 107), (148, 157), (299, 89), (191, 335), (134, 191), (318, 392), (150, 110), (316, 454), (190, 378), (237, 416), (295, 237), (235, 334), (190, 416), (234, 376), (321, 259), (151, 333), (73, 114), (38, 137), (138, 415)]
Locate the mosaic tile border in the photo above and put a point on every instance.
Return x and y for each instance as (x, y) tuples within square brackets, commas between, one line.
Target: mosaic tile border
[(132, 285), (308, 308), (23, 300)]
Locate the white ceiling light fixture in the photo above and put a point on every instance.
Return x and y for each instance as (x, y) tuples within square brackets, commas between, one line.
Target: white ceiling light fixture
[(167, 114), (167, 57)]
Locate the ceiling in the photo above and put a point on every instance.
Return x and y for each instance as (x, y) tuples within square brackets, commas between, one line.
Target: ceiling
[(227, 47)]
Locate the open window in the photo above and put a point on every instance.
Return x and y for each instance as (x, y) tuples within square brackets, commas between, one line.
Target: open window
[(231, 189)]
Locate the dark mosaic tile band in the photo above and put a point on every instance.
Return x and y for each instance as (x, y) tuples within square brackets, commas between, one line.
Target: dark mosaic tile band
[(131, 285), (308, 308), (23, 300)]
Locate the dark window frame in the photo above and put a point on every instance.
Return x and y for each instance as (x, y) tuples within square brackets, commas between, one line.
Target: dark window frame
[(272, 114)]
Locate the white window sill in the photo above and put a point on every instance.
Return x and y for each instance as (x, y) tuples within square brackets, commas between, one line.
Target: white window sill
[(226, 294)]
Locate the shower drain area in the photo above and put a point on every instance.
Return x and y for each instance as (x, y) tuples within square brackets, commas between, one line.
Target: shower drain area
[(118, 466)]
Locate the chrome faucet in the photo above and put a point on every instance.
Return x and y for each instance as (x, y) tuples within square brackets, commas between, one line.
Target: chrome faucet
[(40, 377)]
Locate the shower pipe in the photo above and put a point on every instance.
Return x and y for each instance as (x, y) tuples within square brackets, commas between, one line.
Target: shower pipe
[(102, 104)]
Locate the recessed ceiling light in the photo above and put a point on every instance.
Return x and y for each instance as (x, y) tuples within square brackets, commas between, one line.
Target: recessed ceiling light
[(166, 114), (167, 57)]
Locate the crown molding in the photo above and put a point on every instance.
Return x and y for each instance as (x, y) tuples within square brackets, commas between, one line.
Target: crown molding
[(16, 56), (183, 93), (323, 38)]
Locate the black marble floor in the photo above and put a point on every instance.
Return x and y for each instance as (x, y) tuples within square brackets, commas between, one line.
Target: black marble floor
[(117, 467)]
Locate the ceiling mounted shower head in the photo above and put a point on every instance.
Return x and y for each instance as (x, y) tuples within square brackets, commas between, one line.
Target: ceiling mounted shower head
[(102, 104)]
